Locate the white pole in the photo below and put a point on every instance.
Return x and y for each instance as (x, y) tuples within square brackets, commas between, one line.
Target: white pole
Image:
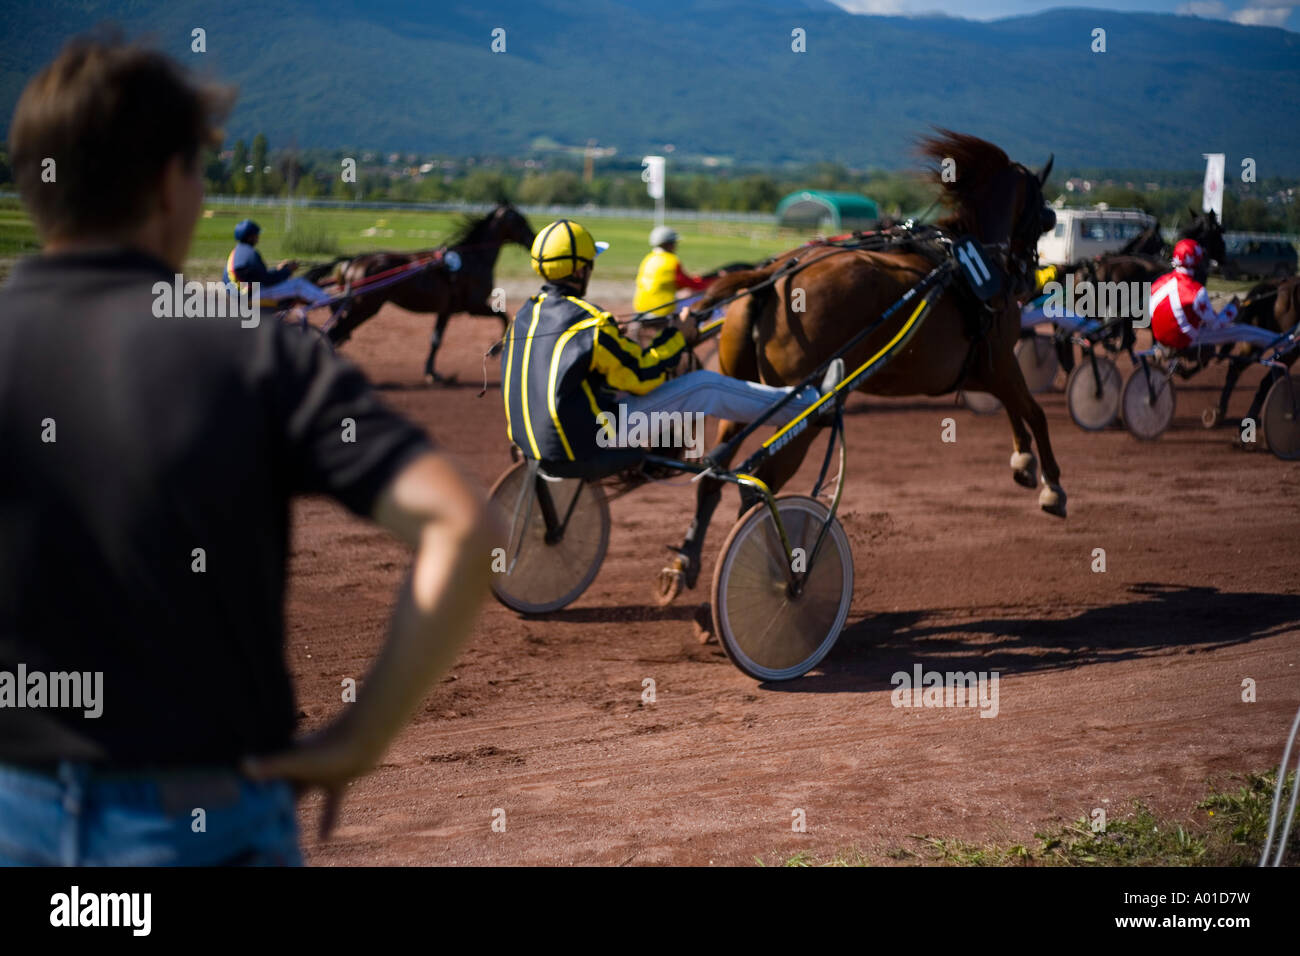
[(653, 176), (1212, 195)]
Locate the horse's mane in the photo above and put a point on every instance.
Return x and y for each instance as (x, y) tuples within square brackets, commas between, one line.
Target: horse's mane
[(978, 162), (467, 229), (470, 229), (1140, 241)]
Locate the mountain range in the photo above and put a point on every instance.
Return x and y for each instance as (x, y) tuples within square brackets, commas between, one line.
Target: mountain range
[(715, 78)]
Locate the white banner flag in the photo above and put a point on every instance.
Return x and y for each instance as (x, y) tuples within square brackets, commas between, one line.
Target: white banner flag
[(653, 176), (1213, 195)]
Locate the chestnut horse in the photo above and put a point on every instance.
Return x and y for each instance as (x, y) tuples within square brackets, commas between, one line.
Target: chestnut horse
[(766, 338), (438, 288)]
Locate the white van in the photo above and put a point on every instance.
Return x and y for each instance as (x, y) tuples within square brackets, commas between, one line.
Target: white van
[(1084, 233)]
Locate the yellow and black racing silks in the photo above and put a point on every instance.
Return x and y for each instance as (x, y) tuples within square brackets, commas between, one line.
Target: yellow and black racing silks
[(563, 361)]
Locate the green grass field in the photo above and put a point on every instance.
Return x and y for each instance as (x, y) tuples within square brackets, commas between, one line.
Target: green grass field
[(704, 245)]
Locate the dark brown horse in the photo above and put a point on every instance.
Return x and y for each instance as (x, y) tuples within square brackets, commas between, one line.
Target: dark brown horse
[(1148, 242), (1146, 257), (1138, 264), (961, 343), (439, 287)]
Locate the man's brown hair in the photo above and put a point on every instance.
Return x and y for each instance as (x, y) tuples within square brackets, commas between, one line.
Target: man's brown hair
[(111, 115)]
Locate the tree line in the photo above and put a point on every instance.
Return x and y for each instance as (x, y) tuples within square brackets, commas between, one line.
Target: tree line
[(253, 169)]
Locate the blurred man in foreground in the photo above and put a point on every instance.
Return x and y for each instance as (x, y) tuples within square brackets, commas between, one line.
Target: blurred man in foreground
[(144, 508)]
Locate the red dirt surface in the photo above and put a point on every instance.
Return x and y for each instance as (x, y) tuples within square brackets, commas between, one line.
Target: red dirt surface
[(1114, 686)]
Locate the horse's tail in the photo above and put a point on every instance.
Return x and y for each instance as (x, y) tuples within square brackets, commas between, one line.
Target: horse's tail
[(1288, 300), (728, 285), (326, 270), (756, 303)]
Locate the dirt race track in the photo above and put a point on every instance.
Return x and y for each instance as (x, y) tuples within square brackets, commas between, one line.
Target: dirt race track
[(1114, 686)]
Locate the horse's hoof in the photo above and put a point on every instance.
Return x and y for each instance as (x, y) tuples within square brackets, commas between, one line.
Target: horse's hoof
[(669, 583), (1024, 469), (704, 623), (1052, 499), (1210, 417)]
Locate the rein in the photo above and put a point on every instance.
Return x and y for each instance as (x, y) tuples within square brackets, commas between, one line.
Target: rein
[(422, 262)]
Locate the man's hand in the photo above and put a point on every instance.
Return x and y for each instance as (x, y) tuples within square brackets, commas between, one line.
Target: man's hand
[(330, 759), (688, 326), (435, 509), (290, 264)]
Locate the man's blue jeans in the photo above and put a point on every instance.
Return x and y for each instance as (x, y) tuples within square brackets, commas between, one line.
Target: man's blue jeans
[(84, 817)]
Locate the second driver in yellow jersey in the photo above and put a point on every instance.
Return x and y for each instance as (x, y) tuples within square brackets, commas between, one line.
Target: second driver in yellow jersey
[(660, 275)]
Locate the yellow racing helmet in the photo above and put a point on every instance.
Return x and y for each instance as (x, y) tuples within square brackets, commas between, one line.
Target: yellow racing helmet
[(562, 248)]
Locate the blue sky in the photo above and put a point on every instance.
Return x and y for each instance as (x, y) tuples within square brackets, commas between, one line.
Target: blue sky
[(1273, 13)]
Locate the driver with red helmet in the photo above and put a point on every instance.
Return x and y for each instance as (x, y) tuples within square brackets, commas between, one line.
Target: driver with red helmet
[(1179, 306)]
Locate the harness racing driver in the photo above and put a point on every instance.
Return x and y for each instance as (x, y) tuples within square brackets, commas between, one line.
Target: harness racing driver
[(566, 362), (1179, 307)]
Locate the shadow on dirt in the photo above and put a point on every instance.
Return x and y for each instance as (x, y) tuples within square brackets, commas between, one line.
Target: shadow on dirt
[(1161, 617), (621, 613)]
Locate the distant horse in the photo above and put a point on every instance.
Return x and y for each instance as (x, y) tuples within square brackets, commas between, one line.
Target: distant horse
[(1148, 242), (1142, 263), (438, 288), (1138, 265), (1273, 304), (961, 344)]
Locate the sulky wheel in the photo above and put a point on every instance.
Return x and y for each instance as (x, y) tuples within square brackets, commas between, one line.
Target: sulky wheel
[(1280, 418), (981, 403), (1148, 411), (1038, 361), (1093, 399), (768, 632), (544, 571)]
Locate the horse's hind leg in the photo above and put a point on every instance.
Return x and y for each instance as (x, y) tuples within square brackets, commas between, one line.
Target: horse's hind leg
[(780, 468), (775, 472), (1008, 385), (685, 567), (1235, 368), (435, 342), (1024, 466)]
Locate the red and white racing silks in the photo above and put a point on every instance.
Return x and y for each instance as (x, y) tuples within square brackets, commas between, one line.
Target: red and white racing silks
[(1179, 305)]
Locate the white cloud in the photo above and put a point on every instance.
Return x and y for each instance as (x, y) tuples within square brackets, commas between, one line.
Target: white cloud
[(878, 7), (1203, 8), (1263, 14)]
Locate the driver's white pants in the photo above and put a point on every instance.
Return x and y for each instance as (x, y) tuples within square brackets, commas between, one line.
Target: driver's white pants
[(1233, 332), (712, 393), (296, 289)]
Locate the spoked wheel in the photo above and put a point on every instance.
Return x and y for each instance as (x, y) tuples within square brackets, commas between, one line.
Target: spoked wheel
[(1093, 398), (1280, 418), (1148, 403), (557, 532), (1038, 361), (769, 632), (981, 403)]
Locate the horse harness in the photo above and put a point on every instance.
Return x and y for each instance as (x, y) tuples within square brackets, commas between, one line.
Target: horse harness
[(928, 241)]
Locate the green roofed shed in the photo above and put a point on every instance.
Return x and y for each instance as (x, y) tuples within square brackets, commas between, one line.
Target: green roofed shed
[(816, 208)]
